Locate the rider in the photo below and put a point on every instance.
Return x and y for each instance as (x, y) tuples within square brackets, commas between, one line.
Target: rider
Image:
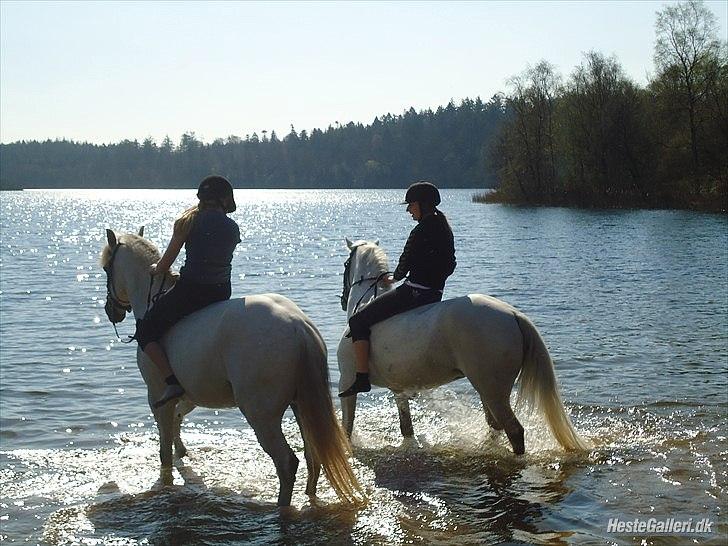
[(428, 257), (210, 238)]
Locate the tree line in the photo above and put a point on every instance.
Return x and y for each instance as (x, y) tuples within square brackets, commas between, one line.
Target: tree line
[(593, 139), (598, 139), (448, 145)]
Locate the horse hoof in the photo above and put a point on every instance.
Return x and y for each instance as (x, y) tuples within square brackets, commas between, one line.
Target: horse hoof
[(165, 476), (409, 442), (518, 445), (517, 442), (287, 511)]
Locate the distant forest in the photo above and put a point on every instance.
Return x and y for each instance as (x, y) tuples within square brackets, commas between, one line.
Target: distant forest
[(593, 139), (598, 139), (450, 146)]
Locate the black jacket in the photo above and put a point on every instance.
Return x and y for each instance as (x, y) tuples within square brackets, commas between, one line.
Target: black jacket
[(429, 254)]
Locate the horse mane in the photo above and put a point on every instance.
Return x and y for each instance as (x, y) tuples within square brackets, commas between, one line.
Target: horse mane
[(375, 254), (140, 246)]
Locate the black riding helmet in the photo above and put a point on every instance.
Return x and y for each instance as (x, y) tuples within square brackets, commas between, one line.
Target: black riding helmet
[(215, 187), (422, 192)]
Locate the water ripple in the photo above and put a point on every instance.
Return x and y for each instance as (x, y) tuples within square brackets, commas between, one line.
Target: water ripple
[(632, 304)]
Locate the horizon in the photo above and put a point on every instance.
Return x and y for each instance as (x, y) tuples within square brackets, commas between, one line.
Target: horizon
[(107, 72), (280, 136)]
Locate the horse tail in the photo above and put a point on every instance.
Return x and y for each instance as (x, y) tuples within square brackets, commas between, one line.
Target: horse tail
[(328, 444), (538, 388)]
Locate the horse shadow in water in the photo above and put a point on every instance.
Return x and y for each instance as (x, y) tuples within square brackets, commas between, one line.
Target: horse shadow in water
[(194, 513), (487, 496)]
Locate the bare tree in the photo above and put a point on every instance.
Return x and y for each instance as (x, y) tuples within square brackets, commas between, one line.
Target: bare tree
[(600, 128), (529, 142), (684, 52)]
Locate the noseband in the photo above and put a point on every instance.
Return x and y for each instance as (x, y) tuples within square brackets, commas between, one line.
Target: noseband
[(348, 283)]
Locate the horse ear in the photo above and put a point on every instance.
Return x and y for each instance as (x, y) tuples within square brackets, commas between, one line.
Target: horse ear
[(349, 243), (141, 231), (376, 242), (111, 238)]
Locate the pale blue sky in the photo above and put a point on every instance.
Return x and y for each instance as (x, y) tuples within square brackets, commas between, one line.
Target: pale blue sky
[(105, 71)]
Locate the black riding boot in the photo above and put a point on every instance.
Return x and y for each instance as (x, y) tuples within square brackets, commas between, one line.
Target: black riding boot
[(361, 384)]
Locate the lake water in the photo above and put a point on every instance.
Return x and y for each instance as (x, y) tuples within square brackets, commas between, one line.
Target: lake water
[(632, 304)]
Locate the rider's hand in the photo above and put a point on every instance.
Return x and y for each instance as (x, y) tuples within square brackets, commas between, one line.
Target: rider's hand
[(389, 279)]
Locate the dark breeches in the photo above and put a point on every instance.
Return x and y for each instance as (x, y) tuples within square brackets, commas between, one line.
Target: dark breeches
[(183, 299), (396, 301)]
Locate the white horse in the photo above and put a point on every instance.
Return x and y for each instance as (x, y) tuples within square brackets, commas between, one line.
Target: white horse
[(260, 353), (475, 336)]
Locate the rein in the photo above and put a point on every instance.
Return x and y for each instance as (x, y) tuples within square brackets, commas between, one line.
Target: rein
[(129, 338), (375, 285), (126, 306), (348, 284)]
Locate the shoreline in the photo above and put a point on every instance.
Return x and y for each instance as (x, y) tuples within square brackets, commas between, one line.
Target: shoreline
[(709, 204)]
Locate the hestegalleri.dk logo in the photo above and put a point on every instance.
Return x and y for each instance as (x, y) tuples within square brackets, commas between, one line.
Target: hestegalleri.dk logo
[(659, 526)]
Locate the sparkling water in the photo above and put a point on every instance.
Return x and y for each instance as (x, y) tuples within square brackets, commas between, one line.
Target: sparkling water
[(632, 304)]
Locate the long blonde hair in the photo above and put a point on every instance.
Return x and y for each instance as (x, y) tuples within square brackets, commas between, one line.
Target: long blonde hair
[(183, 224)]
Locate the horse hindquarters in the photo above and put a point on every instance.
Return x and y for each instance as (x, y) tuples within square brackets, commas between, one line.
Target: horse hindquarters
[(265, 416), (263, 410), (489, 353)]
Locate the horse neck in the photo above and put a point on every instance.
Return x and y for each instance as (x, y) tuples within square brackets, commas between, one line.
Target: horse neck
[(131, 277), (137, 290), (362, 294)]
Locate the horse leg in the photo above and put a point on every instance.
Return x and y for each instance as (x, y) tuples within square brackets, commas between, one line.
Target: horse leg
[(500, 409), (405, 419), (179, 448), (267, 429), (182, 409), (497, 405), (165, 418), (348, 409), (495, 425), (314, 469)]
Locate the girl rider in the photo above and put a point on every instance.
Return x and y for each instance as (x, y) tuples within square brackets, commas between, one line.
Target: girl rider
[(210, 238), (428, 257)]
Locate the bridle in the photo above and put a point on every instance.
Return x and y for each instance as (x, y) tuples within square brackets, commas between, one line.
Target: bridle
[(117, 303), (348, 284), (110, 291)]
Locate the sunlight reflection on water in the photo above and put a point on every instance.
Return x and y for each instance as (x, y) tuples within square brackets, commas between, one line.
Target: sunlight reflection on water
[(456, 482), (633, 305)]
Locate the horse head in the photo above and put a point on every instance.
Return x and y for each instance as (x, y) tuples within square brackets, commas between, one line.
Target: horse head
[(363, 272), (124, 255), (117, 302)]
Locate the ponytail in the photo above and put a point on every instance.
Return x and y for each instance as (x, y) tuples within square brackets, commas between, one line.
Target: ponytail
[(439, 213)]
